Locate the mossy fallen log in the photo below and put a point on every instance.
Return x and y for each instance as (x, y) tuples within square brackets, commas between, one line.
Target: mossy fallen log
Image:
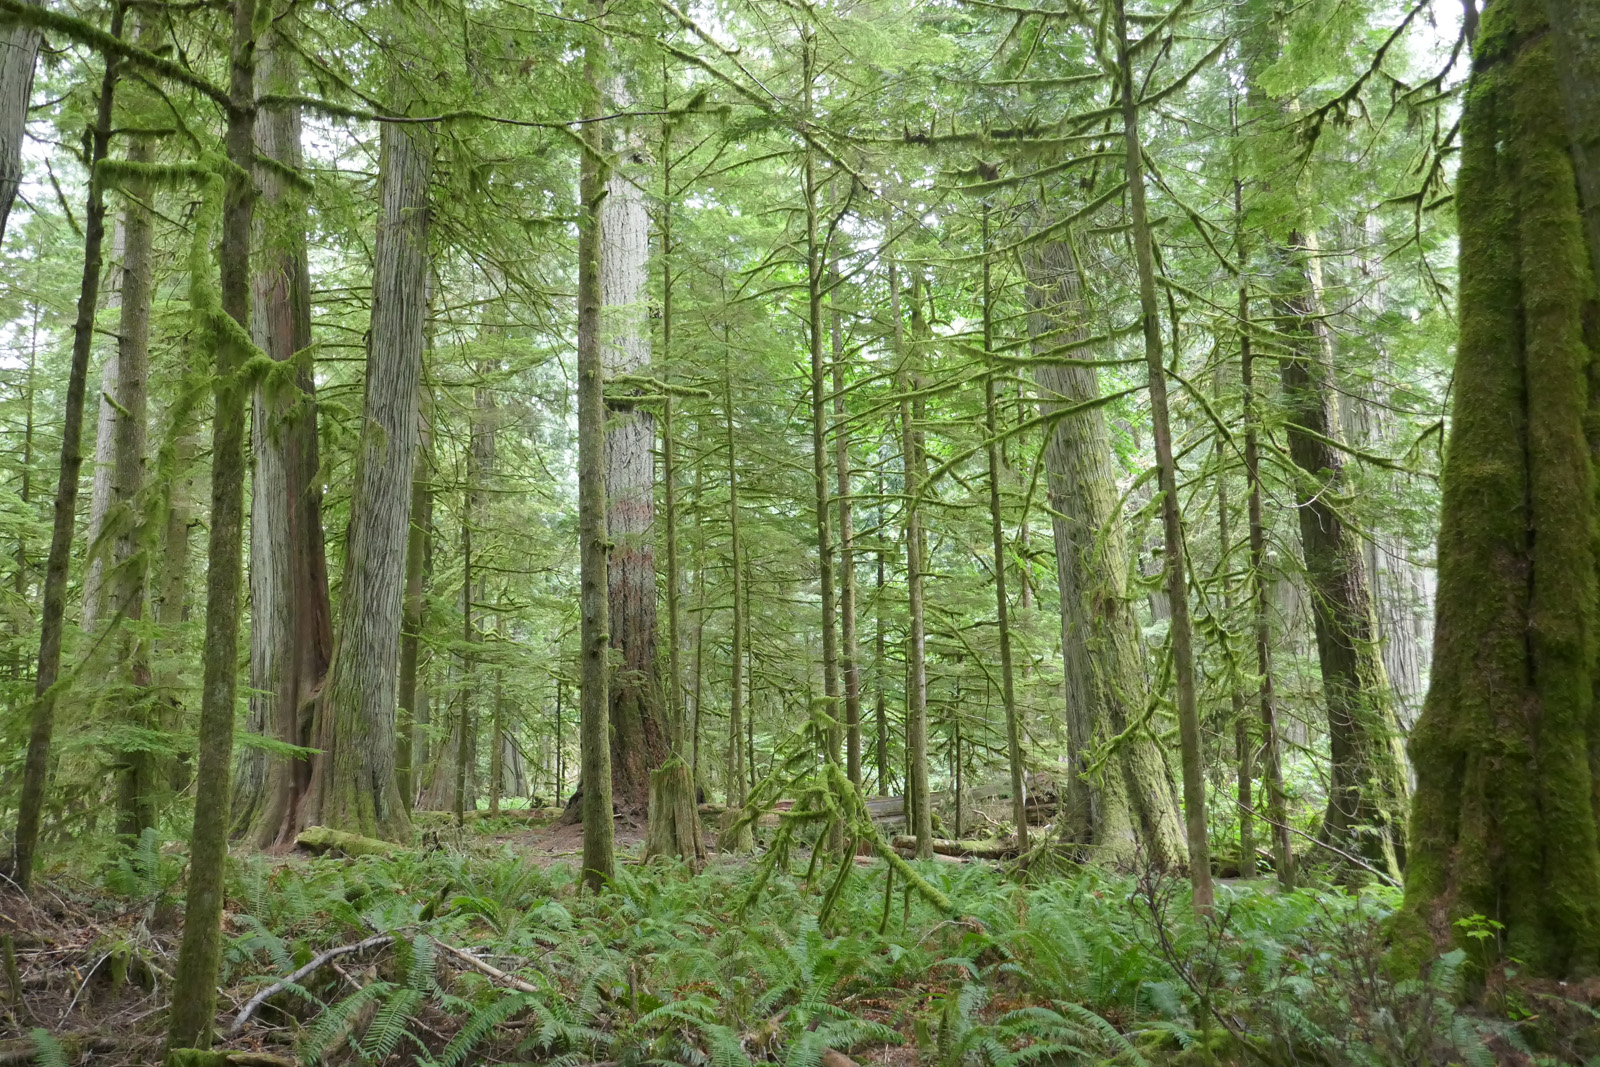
[(322, 839), (988, 849)]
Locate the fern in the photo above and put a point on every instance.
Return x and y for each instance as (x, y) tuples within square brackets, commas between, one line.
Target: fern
[(47, 1051)]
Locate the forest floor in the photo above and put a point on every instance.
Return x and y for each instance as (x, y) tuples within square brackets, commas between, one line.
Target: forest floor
[(479, 948)]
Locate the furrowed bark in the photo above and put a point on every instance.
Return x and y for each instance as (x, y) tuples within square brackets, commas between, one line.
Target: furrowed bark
[(1129, 810), (19, 50), (291, 636), (353, 787)]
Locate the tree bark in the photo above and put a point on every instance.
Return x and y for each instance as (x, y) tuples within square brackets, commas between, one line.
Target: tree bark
[(52, 616), (991, 426), (413, 696), (353, 786), (136, 777), (194, 987), (1367, 791), (599, 861), (640, 739), (743, 839), (1181, 637), (19, 50), (291, 634), (1130, 810), (921, 820), (1505, 822), (849, 654)]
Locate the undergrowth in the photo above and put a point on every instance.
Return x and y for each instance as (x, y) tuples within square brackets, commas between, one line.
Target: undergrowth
[(484, 957)]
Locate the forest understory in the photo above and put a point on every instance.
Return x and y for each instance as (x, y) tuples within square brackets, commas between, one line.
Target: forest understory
[(481, 948)]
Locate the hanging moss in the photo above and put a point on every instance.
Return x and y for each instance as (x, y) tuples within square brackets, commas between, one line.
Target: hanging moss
[(1505, 820)]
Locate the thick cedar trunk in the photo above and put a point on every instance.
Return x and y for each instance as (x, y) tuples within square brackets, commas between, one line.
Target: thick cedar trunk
[(1180, 635), (36, 770), (19, 49), (1367, 788), (599, 860), (353, 786), (1506, 818), (1131, 808), (194, 985), (640, 739), (291, 636)]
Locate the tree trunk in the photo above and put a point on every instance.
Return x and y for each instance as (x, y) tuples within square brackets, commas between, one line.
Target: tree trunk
[(52, 616), (1129, 810), (1367, 789), (599, 861), (194, 986), (136, 778), (849, 654), (19, 49), (1266, 697), (413, 696), (1019, 811), (743, 840), (291, 635), (640, 739), (921, 813), (103, 472), (1506, 819), (1180, 635), (1575, 36), (353, 786)]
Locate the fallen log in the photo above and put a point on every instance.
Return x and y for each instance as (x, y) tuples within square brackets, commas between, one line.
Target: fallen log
[(322, 839), (990, 849)]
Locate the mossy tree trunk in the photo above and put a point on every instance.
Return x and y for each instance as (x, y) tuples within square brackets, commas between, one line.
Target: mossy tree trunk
[(1130, 808), (291, 619), (194, 985), (1506, 815), (1367, 790), (1180, 634), (737, 835)]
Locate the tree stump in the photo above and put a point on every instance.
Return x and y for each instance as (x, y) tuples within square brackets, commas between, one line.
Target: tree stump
[(673, 826)]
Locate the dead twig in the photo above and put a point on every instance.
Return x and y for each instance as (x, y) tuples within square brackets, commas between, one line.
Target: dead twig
[(279, 986)]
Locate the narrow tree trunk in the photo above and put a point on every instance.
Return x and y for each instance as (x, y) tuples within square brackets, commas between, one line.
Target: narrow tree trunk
[(194, 986), (412, 695), (469, 634), (849, 655), (1575, 37), (815, 269), (136, 778), (52, 617), (1130, 811), (595, 773), (1260, 603), (1243, 743), (1019, 809), (353, 784), (744, 839), (291, 636), (1194, 782), (497, 744), (880, 711), (1506, 820), (921, 813), (19, 50)]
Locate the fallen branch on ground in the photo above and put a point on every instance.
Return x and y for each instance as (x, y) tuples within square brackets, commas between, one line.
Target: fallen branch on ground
[(279, 986)]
